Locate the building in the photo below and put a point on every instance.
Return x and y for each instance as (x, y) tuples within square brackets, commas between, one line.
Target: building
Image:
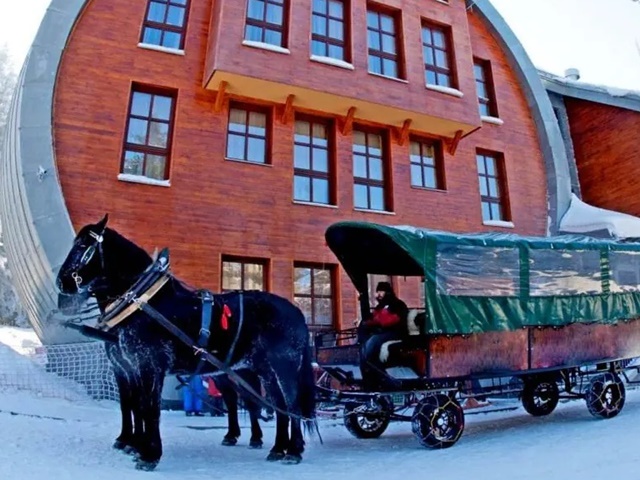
[(236, 131), (600, 126)]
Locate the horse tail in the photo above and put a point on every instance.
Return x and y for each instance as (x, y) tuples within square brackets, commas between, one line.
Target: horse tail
[(307, 389)]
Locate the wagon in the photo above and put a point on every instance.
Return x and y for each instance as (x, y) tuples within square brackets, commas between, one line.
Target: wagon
[(539, 318)]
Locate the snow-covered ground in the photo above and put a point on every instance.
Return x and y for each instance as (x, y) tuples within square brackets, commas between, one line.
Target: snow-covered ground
[(49, 438)]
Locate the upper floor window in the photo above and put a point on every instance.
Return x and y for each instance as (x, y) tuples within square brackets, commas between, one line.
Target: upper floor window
[(369, 171), (426, 164), (247, 134), (147, 142), (313, 293), (165, 23), (267, 22), (243, 274), (436, 49), (484, 88), (382, 31), (312, 162), (492, 186), (329, 29)]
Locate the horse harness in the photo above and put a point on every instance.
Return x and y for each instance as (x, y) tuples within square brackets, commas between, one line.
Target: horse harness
[(149, 284)]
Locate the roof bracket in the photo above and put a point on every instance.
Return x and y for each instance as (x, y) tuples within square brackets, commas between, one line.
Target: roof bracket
[(347, 125), (402, 133), (452, 145), (220, 96), (287, 114)]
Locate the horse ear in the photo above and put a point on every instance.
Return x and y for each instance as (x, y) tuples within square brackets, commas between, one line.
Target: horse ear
[(103, 223)]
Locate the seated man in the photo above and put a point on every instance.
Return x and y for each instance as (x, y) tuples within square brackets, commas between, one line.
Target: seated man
[(388, 322)]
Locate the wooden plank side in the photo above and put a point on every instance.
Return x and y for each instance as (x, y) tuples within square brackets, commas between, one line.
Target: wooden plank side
[(479, 353)]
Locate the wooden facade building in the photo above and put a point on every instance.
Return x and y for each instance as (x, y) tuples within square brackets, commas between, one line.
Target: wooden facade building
[(235, 131)]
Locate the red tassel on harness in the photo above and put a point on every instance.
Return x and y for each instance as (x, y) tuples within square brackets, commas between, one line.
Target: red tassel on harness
[(224, 321)]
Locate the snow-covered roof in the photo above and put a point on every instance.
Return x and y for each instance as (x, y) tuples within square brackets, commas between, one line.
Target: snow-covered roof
[(587, 219), (617, 97)]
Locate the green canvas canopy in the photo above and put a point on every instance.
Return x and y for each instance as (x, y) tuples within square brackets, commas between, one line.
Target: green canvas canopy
[(497, 282)]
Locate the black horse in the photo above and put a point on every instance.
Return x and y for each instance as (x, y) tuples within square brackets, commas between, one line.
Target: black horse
[(265, 334)]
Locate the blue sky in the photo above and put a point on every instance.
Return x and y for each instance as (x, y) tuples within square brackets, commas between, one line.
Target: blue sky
[(599, 37)]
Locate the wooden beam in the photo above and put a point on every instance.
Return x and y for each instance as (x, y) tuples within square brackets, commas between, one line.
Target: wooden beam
[(222, 91), (347, 126), (453, 144), (403, 132), (287, 114)]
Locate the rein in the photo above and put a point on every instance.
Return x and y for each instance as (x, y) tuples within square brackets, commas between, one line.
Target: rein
[(204, 354), (137, 298)]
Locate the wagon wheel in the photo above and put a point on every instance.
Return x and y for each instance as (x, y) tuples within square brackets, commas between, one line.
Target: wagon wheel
[(540, 396), (368, 420), (438, 421), (605, 395)]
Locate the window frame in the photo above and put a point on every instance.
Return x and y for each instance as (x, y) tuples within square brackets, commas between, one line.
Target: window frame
[(248, 108), (488, 82), (385, 183), (243, 261), (166, 27), (263, 25), (345, 44), (398, 57), (502, 200), (448, 51), (438, 162), (150, 149), (331, 268), (331, 158)]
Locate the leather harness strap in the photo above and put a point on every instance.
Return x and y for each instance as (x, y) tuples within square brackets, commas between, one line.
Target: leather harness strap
[(145, 297)]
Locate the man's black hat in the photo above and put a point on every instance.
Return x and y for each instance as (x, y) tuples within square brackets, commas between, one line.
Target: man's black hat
[(384, 287)]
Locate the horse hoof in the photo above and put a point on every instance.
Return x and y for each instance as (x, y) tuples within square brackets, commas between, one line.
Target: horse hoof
[(292, 459), (130, 450), (119, 445), (146, 466), (229, 441), (275, 456), (255, 444)]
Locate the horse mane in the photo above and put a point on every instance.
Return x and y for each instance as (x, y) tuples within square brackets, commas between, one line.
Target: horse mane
[(132, 259)]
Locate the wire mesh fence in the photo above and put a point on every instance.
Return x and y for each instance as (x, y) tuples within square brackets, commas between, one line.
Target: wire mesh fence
[(73, 371)]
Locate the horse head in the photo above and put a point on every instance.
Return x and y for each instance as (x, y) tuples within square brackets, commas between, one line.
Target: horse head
[(83, 269)]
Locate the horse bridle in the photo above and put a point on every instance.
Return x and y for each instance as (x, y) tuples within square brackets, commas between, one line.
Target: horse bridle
[(87, 256)]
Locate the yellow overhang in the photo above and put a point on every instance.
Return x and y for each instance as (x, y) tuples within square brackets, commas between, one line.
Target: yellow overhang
[(251, 87)]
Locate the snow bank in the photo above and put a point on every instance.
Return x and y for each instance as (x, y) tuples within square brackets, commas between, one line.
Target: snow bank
[(19, 371)]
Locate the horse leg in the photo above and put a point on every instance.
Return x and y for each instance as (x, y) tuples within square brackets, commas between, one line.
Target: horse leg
[(150, 451), (124, 441), (230, 398), (270, 382), (254, 409)]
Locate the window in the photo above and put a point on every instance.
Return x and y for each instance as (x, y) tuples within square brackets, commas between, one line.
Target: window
[(165, 23), (491, 177), (368, 171), (243, 274), (426, 164), (148, 138), (437, 56), (247, 134), (329, 29), (311, 160), (267, 22), (484, 88), (382, 31), (313, 293)]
